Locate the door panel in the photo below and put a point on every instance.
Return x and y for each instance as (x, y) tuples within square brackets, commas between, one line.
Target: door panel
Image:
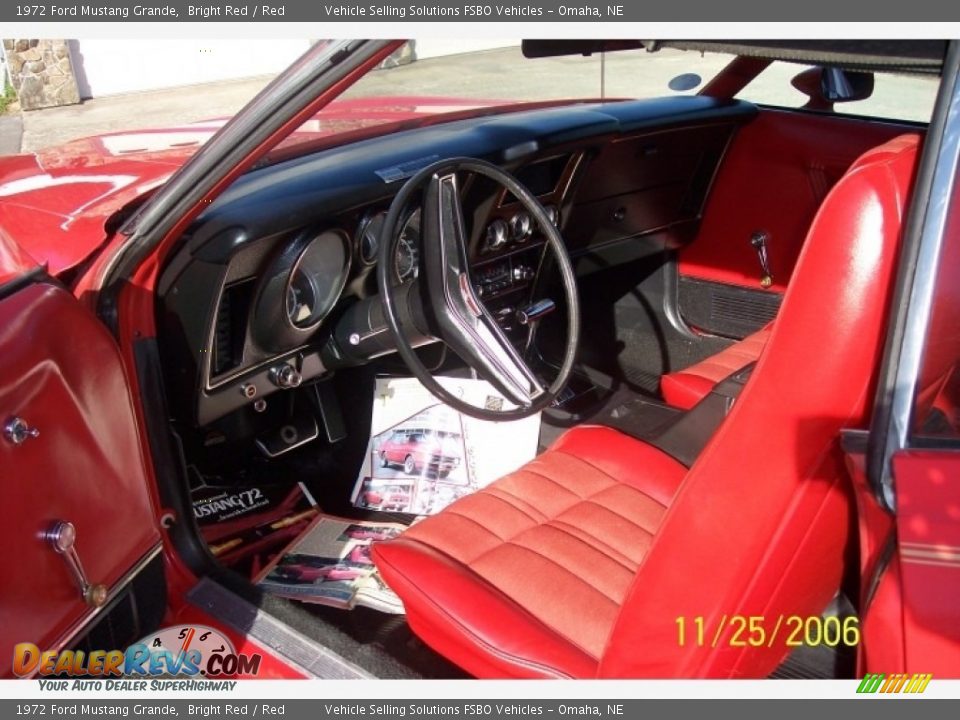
[(774, 177), (60, 372)]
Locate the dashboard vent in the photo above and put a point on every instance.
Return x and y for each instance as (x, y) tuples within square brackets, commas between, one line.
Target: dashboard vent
[(229, 332)]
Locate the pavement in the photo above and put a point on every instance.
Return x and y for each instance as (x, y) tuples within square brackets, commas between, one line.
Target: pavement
[(11, 134), (158, 108), (495, 74)]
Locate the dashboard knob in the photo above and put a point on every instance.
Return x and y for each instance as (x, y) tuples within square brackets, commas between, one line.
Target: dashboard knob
[(521, 273), (285, 376)]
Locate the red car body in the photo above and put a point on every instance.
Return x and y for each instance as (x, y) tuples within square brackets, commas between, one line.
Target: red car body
[(303, 573), (387, 499), (92, 458), (419, 451)]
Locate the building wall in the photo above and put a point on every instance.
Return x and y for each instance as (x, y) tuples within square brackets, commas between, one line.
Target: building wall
[(115, 66), (118, 66), (48, 73), (41, 73)]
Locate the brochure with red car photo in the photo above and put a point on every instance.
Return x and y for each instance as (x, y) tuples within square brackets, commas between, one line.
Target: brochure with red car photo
[(245, 527), (423, 455), (330, 564)]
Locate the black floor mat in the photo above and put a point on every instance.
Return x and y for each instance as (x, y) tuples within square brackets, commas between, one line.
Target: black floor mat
[(380, 643), (601, 400), (625, 330)]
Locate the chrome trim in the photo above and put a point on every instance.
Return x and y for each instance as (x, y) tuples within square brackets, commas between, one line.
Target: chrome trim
[(920, 299), (231, 377), (62, 538), (17, 431), (930, 554), (280, 640), (357, 338), (87, 618)]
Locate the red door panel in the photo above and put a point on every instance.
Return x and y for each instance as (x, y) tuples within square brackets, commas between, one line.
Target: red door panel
[(774, 177), (60, 372), (928, 529)]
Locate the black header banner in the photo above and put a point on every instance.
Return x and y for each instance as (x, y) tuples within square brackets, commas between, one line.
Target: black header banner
[(468, 11)]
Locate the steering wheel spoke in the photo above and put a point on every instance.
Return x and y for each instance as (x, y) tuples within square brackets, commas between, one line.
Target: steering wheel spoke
[(461, 319), (466, 325)]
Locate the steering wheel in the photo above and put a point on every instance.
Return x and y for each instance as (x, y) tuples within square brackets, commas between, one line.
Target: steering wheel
[(455, 313)]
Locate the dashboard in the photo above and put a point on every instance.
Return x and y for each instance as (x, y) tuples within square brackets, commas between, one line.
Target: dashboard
[(251, 303)]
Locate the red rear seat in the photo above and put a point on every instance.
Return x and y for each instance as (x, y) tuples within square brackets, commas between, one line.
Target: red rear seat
[(685, 388)]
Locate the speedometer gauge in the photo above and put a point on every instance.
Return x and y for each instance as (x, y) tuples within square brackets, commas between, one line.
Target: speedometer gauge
[(316, 280), (299, 288), (407, 258)]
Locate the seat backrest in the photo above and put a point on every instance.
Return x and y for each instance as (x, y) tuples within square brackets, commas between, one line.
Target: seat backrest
[(761, 525)]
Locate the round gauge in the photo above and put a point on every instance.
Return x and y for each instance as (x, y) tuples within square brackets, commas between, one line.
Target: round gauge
[(369, 237), (407, 258), (520, 227), (496, 235), (299, 288), (553, 212), (316, 280)]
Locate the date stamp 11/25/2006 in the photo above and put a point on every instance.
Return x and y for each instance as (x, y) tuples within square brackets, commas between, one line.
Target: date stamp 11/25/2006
[(761, 631)]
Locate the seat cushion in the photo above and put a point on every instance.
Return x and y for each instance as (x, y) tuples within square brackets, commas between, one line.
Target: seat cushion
[(526, 577), (685, 388)]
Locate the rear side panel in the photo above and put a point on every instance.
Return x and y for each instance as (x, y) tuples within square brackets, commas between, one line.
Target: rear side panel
[(776, 174), (928, 526)]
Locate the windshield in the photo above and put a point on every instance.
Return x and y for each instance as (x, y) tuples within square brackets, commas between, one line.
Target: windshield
[(501, 72), (439, 80), (426, 79)]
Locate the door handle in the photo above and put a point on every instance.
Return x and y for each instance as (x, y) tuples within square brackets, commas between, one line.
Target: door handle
[(759, 241)]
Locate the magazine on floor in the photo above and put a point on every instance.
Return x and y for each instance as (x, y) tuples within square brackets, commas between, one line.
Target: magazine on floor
[(330, 564), (245, 527), (423, 455)]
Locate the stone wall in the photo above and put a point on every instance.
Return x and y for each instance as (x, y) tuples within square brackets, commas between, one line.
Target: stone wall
[(41, 73)]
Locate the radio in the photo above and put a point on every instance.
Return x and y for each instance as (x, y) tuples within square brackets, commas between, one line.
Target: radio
[(501, 276)]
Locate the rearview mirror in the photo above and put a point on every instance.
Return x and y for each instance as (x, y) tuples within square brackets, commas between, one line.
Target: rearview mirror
[(838, 85), (827, 86)]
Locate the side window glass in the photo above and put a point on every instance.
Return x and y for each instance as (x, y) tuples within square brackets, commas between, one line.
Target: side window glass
[(894, 96)]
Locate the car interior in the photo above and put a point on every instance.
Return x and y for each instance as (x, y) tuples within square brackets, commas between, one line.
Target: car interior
[(710, 277)]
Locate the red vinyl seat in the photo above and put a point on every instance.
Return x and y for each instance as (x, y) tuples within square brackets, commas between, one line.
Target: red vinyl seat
[(580, 563), (685, 388)]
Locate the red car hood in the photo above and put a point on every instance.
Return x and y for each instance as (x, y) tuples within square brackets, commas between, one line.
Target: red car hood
[(55, 203)]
